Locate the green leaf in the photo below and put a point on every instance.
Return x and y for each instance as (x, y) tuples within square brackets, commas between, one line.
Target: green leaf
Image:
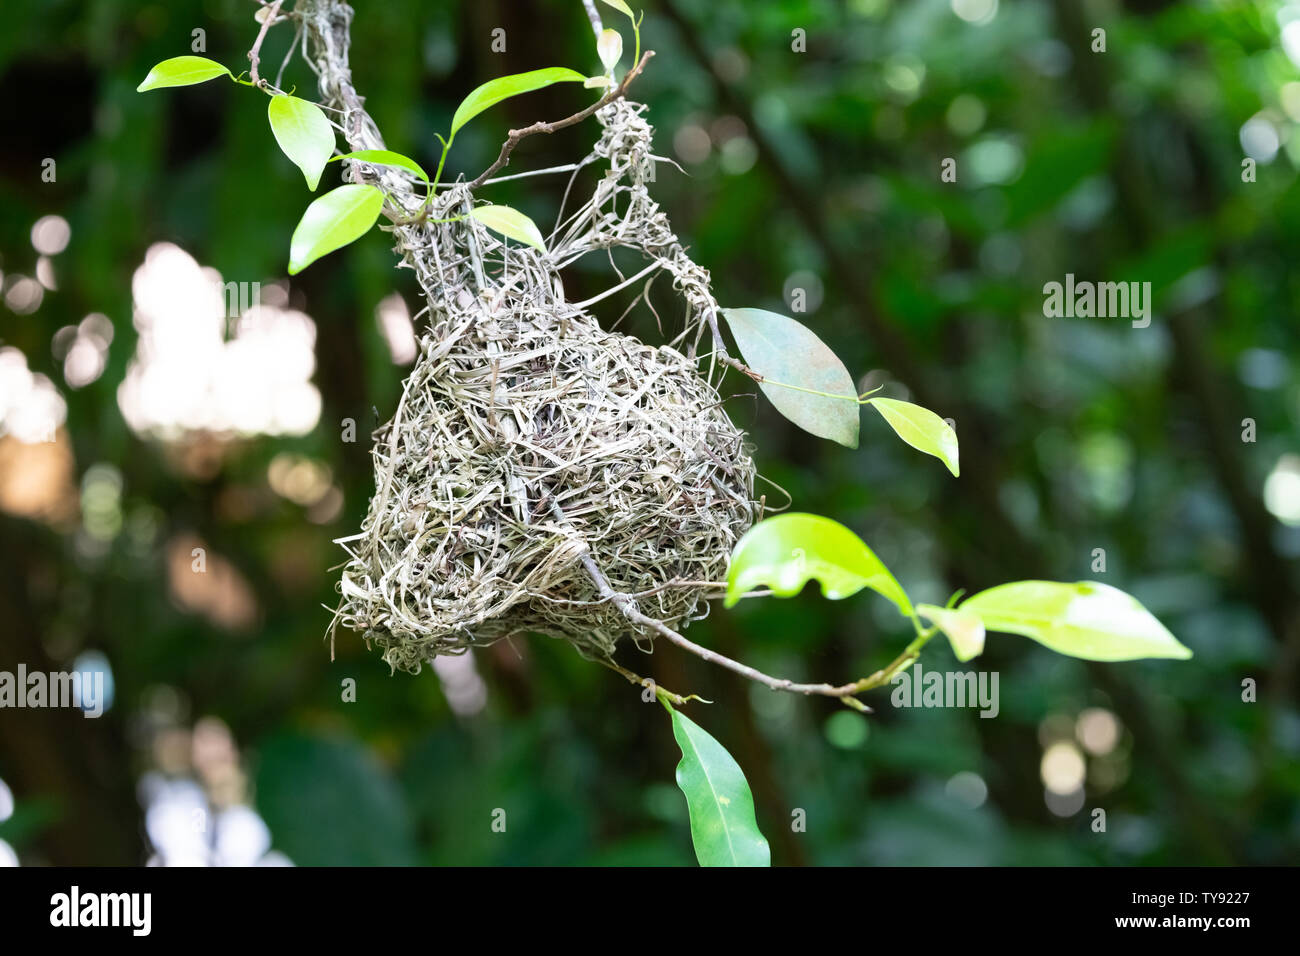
[(341, 216), (621, 7), (964, 629), (723, 828), (303, 132), (787, 353), (503, 87), (386, 157), (182, 71), (786, 551), (510, 223), (922, 429), (1086, 619)]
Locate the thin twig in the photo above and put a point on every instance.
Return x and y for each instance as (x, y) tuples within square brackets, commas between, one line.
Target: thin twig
[(594, 16), (844, 692), (720, 348), (635, 678), (284, 64), (612, 290), (516, 135), (255, 53), (566, 168)]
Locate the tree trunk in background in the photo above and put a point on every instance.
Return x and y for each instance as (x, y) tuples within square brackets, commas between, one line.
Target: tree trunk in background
[(76, 768)]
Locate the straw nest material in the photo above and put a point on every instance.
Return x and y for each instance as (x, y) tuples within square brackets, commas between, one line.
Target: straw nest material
[(529, 440)]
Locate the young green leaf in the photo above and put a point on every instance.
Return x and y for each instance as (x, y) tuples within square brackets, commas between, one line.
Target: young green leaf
[(1086, 619), (922, 429), (182, 71), (723, 827), (511, 223), (821, 398), (386, 157), (494, 91), (786, 551), (609, 47), (341, 216), (964, 629), (304, 134), (621, 7)]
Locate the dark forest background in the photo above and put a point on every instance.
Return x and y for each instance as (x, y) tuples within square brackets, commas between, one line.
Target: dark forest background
[(816, 170)]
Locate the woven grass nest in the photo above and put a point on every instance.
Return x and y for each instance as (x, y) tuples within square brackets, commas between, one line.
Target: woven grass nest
[(530, 443)]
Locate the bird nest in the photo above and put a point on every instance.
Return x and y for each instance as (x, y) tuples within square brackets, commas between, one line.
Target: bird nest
[(537, 464)]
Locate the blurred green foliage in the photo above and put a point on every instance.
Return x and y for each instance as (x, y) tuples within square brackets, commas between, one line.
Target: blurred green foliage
[(818, 170)]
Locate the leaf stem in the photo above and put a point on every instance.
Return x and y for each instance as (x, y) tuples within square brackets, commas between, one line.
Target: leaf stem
[(858, 399), (437, 176), (663, 693)]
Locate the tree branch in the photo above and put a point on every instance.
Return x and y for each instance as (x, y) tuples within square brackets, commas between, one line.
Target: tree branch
[(516, 135), (626, 605), (594, 16), (269, 13)]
